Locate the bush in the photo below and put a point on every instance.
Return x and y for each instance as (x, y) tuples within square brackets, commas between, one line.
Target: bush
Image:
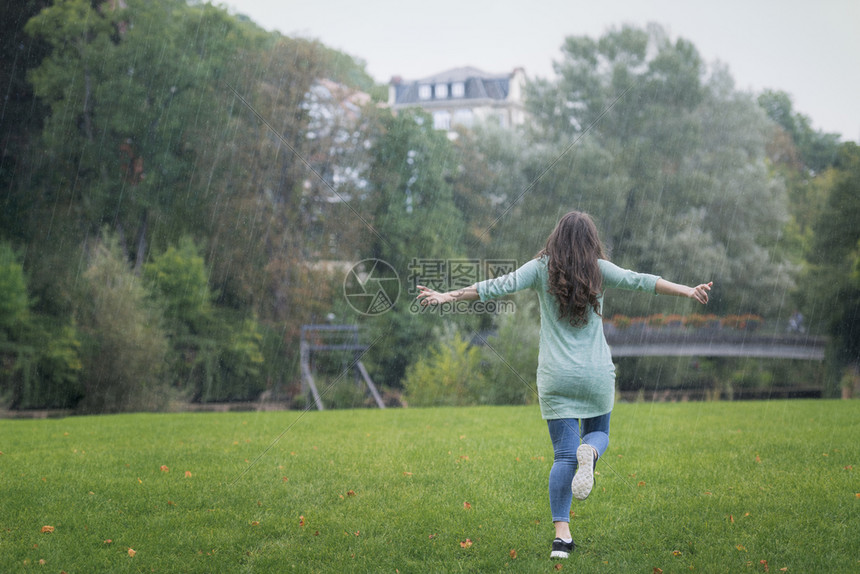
[(511, 357), (449, 375), (14, 302), (56, 381), (16, 359), (241, 361), (124, 347), (179, 279)]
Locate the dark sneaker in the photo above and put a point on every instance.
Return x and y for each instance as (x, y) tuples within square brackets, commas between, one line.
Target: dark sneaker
[(583, 481), (561, 549)]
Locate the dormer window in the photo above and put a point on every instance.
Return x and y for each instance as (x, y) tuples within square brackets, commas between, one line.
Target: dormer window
[(441, 91), (458, 90), (424, 92)]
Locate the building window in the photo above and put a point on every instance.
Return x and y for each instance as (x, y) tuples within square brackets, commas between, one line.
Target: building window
[(424, 92), (463, 118), (442, 121), (441, 91), (458, 90)]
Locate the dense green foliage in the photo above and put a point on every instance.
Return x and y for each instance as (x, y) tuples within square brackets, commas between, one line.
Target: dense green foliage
[(702, 487), (673, 170), (182, 191)]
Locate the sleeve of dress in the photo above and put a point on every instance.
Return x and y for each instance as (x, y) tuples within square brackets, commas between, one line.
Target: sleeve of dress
[(614, 277), (523, 278)]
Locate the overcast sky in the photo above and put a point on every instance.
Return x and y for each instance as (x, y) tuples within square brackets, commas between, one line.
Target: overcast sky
[(807, 48)]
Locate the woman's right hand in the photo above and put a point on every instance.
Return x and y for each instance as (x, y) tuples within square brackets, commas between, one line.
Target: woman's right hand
[(428, 296)]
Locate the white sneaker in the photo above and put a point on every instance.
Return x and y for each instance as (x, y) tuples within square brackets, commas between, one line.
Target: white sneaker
[(584, 478)]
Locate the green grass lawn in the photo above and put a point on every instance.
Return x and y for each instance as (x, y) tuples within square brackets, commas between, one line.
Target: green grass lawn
[(703, 487)]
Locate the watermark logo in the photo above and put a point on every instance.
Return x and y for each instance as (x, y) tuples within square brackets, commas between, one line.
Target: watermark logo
[(371, 287), (451, 274)]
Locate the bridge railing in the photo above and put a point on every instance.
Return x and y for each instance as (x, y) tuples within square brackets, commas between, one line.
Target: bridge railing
[(712, 339)]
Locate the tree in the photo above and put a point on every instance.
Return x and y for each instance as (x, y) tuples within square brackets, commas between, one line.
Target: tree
[(816, 150), (124, 346), (413, 216), (412, 207), (14, 299), (132, 97), (832, 280), (668, 160), (180, 278), (20, 115)]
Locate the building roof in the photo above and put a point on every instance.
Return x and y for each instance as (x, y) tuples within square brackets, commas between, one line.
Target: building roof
[(459, 75), (477, 85)]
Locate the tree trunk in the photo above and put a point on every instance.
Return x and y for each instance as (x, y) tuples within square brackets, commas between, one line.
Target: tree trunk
[(141, 243)]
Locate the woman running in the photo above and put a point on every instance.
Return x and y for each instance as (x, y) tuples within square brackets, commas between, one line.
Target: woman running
[(575, 374)]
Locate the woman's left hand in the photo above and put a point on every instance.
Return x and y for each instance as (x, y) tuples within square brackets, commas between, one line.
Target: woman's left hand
[(700, 292)]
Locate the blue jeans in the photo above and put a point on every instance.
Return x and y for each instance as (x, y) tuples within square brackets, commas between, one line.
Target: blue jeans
[(565, 435)]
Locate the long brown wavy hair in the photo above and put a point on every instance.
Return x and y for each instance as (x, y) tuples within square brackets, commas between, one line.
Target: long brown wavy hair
[(572, 251)]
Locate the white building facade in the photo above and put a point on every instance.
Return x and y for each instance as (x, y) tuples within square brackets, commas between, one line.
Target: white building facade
[(463, 96)]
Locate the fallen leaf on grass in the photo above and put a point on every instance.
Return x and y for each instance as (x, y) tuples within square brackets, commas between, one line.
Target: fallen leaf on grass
[(676, 552), (301, 520), (658, 570), (641, 483), (131, 552), (108, 541), (164, 468), (741, 547), (558, 567), (47, 529), (764, 563), (466, 543), (467, 506), (187, 474), (350, 493), (513, 554), (407, 474), (255, 523)]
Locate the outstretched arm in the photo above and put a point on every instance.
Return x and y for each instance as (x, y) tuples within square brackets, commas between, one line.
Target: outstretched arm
[(427, 296), (699, 292)]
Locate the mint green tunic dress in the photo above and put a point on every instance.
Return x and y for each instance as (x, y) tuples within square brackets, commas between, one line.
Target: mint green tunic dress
[(575, 375)]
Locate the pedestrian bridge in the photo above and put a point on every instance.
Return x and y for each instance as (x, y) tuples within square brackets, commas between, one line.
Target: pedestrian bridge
[(713, 343)]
